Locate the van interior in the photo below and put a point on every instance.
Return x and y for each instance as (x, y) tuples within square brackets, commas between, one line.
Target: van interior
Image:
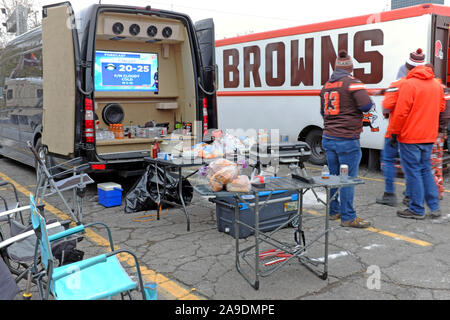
[(126, 46)]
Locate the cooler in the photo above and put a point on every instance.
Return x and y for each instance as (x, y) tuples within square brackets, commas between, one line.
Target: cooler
[(271, 216), (109, 194)]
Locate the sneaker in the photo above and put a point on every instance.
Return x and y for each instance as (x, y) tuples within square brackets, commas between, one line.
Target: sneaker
[(435, 214), (335, 216), (388, 199), (406, 201), (356, 223), (410, 215)]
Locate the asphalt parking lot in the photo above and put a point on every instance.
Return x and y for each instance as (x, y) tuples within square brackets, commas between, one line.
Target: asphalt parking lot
[(394, 259)]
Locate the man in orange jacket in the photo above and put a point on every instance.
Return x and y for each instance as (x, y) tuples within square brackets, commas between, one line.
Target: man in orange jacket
[(414, 124), (389, 154)]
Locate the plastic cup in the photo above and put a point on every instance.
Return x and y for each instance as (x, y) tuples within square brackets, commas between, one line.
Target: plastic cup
[(150, 291)]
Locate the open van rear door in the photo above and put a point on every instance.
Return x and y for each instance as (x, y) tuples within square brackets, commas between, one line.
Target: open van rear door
[(60, 49), (206, 40), (440, 47)]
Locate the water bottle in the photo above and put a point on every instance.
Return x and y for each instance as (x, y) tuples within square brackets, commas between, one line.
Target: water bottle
[(325, 172)]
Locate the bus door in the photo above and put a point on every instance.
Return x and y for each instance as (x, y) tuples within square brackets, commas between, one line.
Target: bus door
[(440, 47)]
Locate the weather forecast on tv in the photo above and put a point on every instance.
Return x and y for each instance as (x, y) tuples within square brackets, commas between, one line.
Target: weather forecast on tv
[(126, 71)]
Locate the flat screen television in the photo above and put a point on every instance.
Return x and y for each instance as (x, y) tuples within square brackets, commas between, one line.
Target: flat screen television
[(126, 71)]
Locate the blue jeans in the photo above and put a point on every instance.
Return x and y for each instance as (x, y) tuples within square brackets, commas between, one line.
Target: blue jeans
[(389, 157), (344, 151), (415, 160)]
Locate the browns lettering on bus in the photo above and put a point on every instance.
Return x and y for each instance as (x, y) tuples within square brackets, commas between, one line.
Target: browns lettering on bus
[(301, 68)]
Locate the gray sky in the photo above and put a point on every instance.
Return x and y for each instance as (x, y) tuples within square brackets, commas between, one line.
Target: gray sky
[(239, 17)]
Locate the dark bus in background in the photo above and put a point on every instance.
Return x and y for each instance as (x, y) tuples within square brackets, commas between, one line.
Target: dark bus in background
[(48, 82)]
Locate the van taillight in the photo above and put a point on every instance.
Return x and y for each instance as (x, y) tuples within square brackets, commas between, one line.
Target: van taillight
[(205, 116), (89, 121), (98, 166)]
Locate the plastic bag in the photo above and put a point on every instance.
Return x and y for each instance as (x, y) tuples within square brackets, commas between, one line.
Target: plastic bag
[(155, 185), (240, 184), (219, 164), (225, 175)]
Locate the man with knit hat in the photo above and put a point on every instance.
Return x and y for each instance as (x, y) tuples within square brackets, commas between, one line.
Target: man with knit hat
[(390, 153), (414, 125), (343, 100)]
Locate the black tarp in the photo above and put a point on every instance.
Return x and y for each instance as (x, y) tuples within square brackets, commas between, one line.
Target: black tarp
[(156, 184)]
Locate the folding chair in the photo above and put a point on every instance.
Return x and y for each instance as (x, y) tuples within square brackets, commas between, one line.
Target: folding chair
[(69, 175), (18, 251), (94, 278), (10, 204)]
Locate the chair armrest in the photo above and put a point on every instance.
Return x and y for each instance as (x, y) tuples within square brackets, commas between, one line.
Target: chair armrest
[(111, 244), (66, 233), (24, 235), (8, 212), (80, 265)]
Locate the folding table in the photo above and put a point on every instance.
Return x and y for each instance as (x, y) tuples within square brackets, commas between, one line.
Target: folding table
[(252, 254), (178, 164)]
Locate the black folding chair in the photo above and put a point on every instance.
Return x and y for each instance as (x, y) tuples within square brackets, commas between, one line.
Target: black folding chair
[(69, 175)]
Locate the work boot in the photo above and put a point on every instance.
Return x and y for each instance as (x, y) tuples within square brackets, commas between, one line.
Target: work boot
[(356, 223), (388, 199), (335, 216), (408, 214), (435, 214)]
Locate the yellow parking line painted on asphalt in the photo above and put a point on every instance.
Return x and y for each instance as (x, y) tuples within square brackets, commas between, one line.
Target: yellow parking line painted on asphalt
[(400, 237), (386, 233), (164, 283)]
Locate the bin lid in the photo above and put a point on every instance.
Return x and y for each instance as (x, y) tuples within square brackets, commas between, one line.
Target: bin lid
[(108, 186)]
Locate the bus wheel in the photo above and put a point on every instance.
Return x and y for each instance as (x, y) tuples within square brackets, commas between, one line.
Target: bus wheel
[(314, 139)]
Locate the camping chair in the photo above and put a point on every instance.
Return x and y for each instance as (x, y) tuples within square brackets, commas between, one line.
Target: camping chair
[(10, 204), (69, 175), (98, 277), (17, 252)]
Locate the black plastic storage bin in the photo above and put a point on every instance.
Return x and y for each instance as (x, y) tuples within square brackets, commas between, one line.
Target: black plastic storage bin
[(271, 216)]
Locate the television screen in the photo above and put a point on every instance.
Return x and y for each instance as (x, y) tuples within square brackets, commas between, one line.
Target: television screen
[(126, 71)]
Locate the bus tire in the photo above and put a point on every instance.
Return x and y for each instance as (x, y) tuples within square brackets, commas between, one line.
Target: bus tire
[(314, 140)]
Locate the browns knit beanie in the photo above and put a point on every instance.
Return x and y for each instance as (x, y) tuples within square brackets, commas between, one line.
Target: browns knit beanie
[(344, 61), (415, 59)]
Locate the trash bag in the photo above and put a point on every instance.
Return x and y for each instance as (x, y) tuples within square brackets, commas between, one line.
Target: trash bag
[(147, 191)]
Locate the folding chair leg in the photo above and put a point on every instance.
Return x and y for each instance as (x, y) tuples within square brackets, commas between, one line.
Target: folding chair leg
[(27, 294)]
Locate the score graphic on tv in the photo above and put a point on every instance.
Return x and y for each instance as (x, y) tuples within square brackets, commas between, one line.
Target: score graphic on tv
[(126, 71)]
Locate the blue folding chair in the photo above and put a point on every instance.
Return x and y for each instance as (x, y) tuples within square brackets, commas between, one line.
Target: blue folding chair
[(100, 277)]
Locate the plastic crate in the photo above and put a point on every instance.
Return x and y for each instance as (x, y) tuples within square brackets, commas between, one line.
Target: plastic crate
[(271, 216), (109, 194)]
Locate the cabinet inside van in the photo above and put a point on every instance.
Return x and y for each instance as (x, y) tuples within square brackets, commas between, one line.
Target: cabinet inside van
[(143, 76)]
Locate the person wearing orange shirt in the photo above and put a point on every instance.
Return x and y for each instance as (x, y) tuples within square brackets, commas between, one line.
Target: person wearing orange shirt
[(414, 125), (390, 154)]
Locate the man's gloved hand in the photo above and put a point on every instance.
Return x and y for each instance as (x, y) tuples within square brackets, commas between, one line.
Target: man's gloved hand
[(393, 142)]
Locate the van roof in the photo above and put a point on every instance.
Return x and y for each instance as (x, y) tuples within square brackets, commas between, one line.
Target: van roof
[(397, 14)]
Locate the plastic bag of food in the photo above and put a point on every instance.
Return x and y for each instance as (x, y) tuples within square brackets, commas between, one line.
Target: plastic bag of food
[(218, 165), (215, 186), (225, 175), (240, 184)]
